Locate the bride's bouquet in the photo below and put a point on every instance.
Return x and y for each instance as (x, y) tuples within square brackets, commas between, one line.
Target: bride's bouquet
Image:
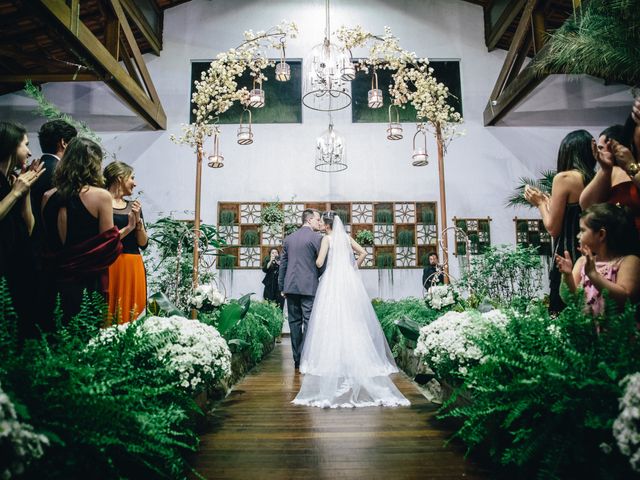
[(206, 298), (440, 296)]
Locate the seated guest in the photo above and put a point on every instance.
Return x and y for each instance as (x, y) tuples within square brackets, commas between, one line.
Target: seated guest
[(609, 245), (80, 238), (432, 274), (16, 223), (127, 277)]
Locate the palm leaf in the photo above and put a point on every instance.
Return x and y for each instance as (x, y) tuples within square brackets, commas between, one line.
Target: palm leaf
[(543, 184)]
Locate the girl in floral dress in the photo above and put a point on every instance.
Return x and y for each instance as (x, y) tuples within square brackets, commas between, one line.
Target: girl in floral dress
[(609, 245)]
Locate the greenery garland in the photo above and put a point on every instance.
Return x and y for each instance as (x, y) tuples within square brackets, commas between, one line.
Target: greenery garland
[(51, 112), (601, 38)]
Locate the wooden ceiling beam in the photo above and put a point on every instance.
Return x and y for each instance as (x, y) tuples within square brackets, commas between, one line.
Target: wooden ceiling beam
[(82, 39), (143, 26), (493, 33), (48, 77)]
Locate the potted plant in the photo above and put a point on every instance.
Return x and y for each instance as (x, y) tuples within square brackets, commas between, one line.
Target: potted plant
[(365, 238)]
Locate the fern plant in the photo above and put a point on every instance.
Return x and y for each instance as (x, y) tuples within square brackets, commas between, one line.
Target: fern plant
[(545, 395)]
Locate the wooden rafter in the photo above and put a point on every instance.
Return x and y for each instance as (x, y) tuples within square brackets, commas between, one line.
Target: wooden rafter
[(143, 99), (512, 84), (141, 22), (493, 33)]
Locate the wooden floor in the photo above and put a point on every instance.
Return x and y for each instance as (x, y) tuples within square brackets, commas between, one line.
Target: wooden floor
[(255, 433)]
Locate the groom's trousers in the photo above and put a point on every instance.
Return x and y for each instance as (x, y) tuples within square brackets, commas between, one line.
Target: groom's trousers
[(299, 310)]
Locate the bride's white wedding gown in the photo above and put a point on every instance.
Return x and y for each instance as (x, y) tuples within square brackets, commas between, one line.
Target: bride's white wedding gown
[(346, 360)]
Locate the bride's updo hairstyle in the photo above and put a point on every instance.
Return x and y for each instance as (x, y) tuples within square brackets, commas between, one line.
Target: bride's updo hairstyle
[(327, 218)]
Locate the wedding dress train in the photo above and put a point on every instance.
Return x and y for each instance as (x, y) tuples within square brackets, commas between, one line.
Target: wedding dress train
[(346, 360)]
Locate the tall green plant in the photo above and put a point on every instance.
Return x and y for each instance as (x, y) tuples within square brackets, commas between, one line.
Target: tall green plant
[(384, 216), (406, 238), (504, 273), (601, 39)]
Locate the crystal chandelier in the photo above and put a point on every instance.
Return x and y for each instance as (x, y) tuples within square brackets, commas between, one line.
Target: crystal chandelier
[(331, 152), (326, 83)]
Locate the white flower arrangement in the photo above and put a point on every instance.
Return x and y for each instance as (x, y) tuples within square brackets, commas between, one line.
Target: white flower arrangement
[(198, 355), (217, 89), (626, 428), (440, 296), (446, 345), (413, 80), (206, 297), (19, 444)]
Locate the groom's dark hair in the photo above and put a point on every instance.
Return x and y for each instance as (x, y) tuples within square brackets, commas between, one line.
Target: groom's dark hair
[(309, 213)]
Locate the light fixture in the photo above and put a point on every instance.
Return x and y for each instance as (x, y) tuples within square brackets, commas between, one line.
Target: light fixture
[(245, 135), (256, 95), (326, 84), (331, 153), (374, 97), (420, 156), (394, 131), (283, 69), (215, 159)]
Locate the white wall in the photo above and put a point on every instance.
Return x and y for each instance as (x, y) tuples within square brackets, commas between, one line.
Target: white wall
[(481, 168)]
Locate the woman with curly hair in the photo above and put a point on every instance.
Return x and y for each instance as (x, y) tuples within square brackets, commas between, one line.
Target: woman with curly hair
[(81, 240)]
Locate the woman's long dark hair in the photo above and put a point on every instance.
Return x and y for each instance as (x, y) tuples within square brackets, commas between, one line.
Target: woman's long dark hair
[(576, 153), (80, 166), (11, 135)]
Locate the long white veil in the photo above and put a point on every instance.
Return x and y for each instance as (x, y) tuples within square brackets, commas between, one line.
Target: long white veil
[(346, 359)]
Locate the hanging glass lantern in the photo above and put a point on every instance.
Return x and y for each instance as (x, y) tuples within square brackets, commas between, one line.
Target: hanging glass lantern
[(245, 135), (256, 95), (348, 70), (215, 159), (283, 69), (375, 94), (394, 131), (420, 156), (331, 153), (323, 87)]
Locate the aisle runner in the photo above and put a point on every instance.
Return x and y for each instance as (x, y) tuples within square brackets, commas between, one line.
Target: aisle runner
[(255, 433)]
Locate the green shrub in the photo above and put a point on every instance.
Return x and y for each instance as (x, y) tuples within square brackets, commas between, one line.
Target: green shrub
[(384, 215), (365, 237), (428, 216), (406, 238), (384, 260), (250, 238), (227, 217), (227, 262), (545, 395)]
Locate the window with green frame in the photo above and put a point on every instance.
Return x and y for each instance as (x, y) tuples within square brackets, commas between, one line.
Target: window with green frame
[(283, 100), (445, 71)]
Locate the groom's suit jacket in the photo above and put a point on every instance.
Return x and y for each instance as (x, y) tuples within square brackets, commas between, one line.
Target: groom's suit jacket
[(298, 273)]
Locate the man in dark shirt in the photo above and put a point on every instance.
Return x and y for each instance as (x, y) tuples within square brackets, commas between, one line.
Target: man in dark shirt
[(54, 137), (432, 273)]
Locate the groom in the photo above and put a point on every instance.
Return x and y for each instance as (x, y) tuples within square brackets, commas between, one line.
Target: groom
[(298, 276)]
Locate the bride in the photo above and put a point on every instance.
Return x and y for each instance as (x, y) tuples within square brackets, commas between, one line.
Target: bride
[(345, 358)]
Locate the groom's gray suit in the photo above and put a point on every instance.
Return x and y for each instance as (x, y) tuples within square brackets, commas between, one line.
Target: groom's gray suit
[(298, 280)]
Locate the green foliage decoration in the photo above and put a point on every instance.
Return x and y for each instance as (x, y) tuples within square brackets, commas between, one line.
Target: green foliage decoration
[(51, 112), (251, 238), (504, 274), (272, 215), (384, 260), (384, 215), (545, 395), (227, 217), (601, 39), (406, 238), (112, 412), (543, 184), (365, 238)]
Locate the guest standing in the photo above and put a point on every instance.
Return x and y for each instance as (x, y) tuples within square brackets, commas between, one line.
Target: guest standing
[(80, 238), (561, 211), (16, 223), (54, 136), (270, 267), (127, 276), (432, 273)]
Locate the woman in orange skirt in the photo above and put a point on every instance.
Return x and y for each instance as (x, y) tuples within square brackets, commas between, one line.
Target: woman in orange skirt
[(127, 277)]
